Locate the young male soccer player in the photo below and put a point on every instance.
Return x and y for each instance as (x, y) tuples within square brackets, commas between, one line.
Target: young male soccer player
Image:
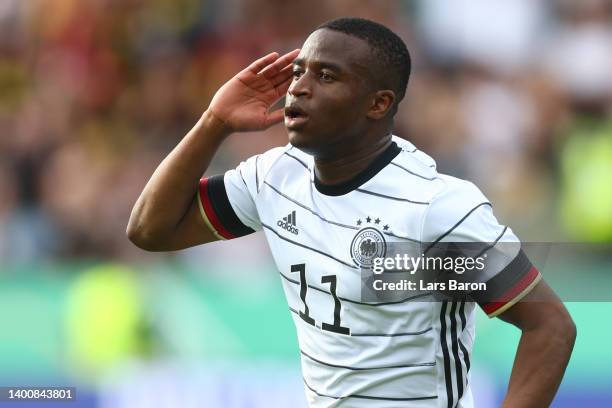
[(342, 183)]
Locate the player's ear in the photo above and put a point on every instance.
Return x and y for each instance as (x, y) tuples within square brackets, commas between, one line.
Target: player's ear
[(381, 103)]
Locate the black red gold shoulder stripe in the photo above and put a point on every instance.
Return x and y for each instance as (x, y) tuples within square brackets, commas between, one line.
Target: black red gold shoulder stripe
[(217, 210), (514, 294)]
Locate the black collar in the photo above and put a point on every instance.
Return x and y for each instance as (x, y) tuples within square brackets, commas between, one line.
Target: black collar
[(347, 186)]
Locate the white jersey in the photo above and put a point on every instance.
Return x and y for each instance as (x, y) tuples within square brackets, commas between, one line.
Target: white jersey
[(412, 352)]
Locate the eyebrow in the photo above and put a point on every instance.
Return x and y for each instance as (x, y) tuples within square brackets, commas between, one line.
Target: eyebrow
[(320, 64)]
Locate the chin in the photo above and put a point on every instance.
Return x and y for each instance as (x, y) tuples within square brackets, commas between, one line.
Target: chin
[(313, 145), (300, 142), (297, 139)]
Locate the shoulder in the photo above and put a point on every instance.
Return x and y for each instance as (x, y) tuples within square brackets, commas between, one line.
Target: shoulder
[(260, 164), (279, 158), (411, 152), (457, 192), (443, 190), (282, 161), (268, 159), (455, 200), (459, 208)]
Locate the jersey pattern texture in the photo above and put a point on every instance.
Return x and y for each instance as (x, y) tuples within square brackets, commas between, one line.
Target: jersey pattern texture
[(410, 352)]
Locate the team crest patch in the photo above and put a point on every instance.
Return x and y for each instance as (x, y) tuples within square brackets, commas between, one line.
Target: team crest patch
[(368, 243)]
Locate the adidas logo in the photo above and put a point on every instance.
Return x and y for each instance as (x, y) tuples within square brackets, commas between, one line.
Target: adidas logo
[(288, 223)]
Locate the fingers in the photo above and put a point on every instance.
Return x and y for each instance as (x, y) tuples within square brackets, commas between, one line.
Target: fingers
[(273, 69), (283, 87), (279, 114), (262, 62), (285, 74), (274, 117)]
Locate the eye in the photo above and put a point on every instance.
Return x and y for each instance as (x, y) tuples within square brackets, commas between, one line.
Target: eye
[(297, 74), (326, 77)]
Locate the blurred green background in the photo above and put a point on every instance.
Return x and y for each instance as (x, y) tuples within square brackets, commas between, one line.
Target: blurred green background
[(117, 331), (515, 95)]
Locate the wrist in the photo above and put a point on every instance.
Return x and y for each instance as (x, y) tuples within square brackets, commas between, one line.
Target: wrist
[(214, 126)]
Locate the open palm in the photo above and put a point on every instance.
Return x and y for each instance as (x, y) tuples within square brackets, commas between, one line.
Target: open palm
[(243, 102)]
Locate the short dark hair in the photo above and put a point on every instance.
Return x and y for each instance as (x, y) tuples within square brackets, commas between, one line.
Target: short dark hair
[(393, 68)]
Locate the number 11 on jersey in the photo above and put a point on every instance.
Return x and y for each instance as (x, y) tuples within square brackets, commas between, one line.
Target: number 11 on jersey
[(336, 327)]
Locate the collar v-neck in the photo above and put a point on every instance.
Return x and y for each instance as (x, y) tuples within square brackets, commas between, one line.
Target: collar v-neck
[(380, 162)]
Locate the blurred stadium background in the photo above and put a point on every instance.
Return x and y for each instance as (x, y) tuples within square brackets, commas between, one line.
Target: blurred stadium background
[(515, 95)]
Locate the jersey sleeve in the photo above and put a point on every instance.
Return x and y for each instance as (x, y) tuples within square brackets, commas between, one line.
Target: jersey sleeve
[(462, 214), (228, 202)]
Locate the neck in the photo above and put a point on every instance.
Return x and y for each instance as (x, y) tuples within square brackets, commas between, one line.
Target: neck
[(348, 161)]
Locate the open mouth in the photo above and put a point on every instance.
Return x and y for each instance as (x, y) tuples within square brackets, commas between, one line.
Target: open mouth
[(294, 117), (293, 112)]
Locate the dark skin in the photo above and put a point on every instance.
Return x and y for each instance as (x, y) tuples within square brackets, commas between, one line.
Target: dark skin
[(545, 347), (347, 121), (336, 112)]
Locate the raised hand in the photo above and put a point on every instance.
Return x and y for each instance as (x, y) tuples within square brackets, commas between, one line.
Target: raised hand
[(242, 103)]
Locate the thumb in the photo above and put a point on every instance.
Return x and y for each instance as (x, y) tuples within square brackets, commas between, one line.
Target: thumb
[(274, 117)]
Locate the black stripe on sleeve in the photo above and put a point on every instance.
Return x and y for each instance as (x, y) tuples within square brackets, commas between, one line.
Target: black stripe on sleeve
[(504, 280), (223, 209)]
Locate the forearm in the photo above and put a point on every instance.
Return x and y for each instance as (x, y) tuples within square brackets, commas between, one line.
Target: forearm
[(166, 216), (171, 189), (540, 363)]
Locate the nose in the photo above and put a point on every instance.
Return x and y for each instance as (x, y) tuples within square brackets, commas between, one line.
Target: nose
[(300, 86)]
